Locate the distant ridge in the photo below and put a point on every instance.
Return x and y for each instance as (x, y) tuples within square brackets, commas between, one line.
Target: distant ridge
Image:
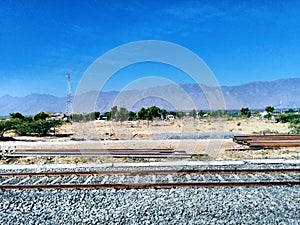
[(255, 95)]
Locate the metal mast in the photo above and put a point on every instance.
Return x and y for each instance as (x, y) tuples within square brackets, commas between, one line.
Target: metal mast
[(69, 104)]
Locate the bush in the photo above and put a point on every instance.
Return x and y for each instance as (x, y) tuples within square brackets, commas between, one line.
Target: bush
[(294, 119), (40, 116), (40, 128), (289, 117), (295, 128), (77, 117), (7, 125), (219, 113), (16, 116)]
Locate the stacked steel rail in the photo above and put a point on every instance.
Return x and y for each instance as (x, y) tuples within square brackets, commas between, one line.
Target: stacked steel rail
[(269, 141), (116, 153), (150, 179)]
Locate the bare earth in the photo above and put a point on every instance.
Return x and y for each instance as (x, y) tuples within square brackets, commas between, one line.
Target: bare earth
[(141, 135)]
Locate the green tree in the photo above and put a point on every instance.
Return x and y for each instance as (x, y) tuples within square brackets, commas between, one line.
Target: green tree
[(91, 116), (193, 113), (164, 113), (122, 114), (201, 113), (107, 115), (8, 125), (132, 116), (96, 115), (113, 112), (40, 116), (219, 113), (76, 117), (153, 112), (16, 115), (245, 112), (269, 109), (180, 114), (142, 114)]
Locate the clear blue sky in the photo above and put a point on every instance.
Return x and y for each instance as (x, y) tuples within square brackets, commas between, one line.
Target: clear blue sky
[(241, 41)]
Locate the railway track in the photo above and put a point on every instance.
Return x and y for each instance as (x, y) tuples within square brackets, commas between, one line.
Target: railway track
[(150, 179)]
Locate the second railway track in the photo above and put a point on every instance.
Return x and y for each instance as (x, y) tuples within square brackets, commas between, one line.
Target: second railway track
[(150, 179)]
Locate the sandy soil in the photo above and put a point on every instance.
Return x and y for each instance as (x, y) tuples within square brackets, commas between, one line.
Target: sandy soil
[(146, 130)]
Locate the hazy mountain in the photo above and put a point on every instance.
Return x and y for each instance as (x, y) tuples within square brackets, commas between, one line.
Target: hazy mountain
[(260, 94), (255, 95), (31, 104)]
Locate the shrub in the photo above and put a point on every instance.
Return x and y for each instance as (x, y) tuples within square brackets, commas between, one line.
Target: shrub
[(40, 128), (288, 117), (295, 128), (16, 116), (40, 116), (7, 125)]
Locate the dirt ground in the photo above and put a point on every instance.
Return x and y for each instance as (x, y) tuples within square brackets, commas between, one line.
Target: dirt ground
[(141, 135), (145, 130)]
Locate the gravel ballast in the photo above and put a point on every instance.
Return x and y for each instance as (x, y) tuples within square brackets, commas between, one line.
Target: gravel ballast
[(264, 205)]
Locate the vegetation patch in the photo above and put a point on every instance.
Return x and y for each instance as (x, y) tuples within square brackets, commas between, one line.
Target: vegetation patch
[(37, 125)]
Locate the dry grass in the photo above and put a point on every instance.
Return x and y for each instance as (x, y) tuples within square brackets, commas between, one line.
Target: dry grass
[(258, 154)]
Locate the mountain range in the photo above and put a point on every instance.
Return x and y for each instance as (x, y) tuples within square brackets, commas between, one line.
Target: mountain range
[(256, 95)]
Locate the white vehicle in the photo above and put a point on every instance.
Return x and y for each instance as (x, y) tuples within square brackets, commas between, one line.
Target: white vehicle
[(170, 117)]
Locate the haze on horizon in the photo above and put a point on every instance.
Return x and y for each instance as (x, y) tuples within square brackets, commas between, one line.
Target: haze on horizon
[(240, 41)]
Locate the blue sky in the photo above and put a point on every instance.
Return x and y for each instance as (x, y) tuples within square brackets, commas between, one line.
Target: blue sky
[(241, 41)]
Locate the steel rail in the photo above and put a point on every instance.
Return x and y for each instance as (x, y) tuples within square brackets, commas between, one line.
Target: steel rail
[(151, 185), (116, 153), (171, 155), (268, 141), (271, 136)]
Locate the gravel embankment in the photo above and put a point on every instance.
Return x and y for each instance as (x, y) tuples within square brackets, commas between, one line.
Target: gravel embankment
[(268, 205)]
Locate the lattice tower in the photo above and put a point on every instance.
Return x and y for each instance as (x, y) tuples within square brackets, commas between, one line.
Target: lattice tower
[(69, 103)]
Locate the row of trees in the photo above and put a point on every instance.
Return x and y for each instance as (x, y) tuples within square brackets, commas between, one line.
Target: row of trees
[(41, 125), (122, 114), (245, 112), (84, 117), (35, 125), (155, 112)]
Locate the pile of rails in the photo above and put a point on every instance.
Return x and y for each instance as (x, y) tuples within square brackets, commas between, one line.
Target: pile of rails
[(116, 153), (269, 141)]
